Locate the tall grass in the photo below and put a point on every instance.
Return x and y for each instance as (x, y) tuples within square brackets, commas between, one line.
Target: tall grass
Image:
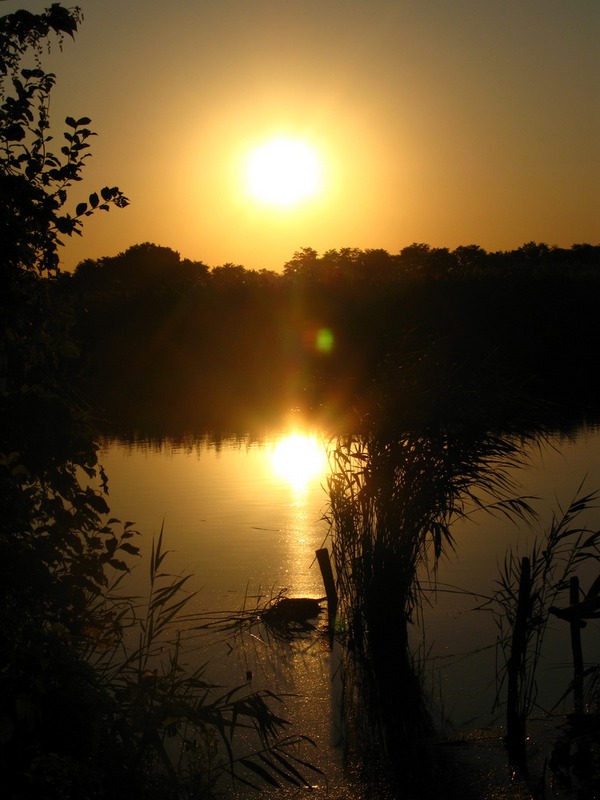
[(393, 500), (554, 559), (174, 725)]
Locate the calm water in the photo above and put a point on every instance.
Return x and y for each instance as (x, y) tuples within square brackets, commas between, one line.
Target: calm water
[(246, 519), (460, 640)]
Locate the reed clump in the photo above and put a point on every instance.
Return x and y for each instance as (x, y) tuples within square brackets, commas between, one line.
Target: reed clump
[(529, 591), (175, 727), (393, 499)]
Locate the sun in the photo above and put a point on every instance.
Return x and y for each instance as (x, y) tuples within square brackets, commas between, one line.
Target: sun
[(283, 172), (299, 459)]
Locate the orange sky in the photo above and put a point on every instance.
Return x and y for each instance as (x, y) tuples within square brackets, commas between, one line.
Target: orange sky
[(441, 121)]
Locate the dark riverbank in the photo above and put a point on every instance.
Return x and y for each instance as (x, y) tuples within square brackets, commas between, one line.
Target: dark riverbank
[(165, 341)]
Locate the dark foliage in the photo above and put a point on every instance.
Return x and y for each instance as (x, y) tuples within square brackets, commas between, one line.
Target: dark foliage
[(168, 339), (54, 545)]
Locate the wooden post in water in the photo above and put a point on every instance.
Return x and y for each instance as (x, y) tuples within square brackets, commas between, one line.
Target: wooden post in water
[(575, 626), (515, 717), (329, 582)]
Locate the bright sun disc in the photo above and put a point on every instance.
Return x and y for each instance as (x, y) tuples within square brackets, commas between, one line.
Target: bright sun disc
[(283, 172), (299, 459)]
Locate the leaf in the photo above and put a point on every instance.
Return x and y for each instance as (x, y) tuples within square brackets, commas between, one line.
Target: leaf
[(83, 121), (260, 771), (62, 20), (98, 503), (71, 122), (306, 764), (65, 225), (94, 200), (81, 209), (120, 565), (130, 548), (290, 767), (242, 780), (594, 589)]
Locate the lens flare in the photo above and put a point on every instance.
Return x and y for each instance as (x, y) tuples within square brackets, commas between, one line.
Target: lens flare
[(325, 340)]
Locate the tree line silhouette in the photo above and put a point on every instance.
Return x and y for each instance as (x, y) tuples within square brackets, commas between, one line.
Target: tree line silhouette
[(168, 337), (149, 266)]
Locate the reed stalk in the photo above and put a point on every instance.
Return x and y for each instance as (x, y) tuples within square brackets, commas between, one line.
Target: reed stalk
[(174, 724), (522, 617), (392, 501)]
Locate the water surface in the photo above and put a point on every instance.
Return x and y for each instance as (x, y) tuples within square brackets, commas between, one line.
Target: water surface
[(246, 517)]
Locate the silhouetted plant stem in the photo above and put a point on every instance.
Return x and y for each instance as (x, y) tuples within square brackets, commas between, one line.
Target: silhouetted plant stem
[(575, 626), (515, 716), (528, 589)]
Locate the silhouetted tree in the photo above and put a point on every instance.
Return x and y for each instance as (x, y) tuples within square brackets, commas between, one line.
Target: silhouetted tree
[(53, 542), (229, 276), (141, 269), (414, 258), (303, 264), (470, 258)]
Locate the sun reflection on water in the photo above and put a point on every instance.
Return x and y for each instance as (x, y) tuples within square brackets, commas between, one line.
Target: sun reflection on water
[(299, 459)]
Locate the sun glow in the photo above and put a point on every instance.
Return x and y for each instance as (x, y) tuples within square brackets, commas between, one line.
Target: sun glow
[(283, 172), (299, 459)]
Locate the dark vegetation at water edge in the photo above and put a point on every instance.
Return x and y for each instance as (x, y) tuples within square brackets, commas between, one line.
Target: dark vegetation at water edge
[(172, 339), (394, 497), (96, 698)]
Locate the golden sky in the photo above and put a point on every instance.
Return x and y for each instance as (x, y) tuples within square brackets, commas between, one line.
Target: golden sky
[(449, 122)]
